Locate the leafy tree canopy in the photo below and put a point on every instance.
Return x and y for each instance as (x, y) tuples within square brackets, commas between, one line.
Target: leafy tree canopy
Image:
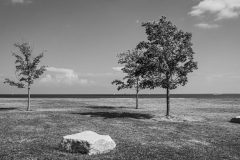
[(132, 79), (168, 55), (26, 66)]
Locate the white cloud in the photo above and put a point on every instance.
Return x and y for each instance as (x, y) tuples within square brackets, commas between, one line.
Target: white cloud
[(63, 76), (206, 25), (21, 1), (1, 77), (222, 9), (107, 74), (117, 68)]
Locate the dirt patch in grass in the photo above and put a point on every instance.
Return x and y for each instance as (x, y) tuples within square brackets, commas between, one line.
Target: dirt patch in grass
[(105, 107), (195, 141), (181, 118), (218, 110), (28, 128), (28, 115)]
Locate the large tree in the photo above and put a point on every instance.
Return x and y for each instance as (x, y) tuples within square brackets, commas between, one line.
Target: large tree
[(27, 69), (168, 56), (132, 78)]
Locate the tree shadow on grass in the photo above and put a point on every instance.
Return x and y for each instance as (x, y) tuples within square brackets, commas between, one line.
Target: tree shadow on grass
[(8, 109), (107, 115), (104, 107)]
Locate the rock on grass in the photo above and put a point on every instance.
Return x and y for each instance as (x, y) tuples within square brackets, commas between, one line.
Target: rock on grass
[(87, 142)]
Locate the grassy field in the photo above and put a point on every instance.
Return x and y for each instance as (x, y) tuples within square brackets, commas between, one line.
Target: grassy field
[(199, 129)]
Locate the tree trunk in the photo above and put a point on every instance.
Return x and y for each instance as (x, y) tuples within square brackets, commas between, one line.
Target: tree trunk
[(28, 107), (168, 105), (137, 90)]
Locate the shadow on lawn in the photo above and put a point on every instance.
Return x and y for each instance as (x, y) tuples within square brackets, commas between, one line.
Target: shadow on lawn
[(8, 109), (107, 115), (104, 107)]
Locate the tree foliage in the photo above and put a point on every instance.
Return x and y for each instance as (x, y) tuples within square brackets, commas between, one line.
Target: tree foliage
[(131, 79), (168, 55), (26, 66)]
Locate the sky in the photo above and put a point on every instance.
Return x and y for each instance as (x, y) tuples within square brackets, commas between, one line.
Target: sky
[(81, 39)]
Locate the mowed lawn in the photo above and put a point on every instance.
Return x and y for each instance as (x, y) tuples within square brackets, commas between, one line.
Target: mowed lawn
[(199, 129)]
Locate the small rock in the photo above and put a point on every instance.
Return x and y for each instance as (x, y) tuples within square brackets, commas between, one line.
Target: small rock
[(87, 142), (235, 119)]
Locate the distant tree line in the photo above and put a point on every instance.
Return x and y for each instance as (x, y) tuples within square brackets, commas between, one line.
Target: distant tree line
[(164, 60)]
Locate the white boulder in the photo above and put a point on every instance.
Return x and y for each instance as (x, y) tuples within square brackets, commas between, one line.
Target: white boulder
[(87, 142)]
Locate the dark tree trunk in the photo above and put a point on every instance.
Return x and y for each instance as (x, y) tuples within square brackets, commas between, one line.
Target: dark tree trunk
[(168, 105), (137, 90), (137, 100), (28, 107)]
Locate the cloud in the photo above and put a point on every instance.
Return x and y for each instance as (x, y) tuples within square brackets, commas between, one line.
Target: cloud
[(117, 68), (206, 25), (63, 76), (222, 9), (1, 77), (21, 1), (107, 74)]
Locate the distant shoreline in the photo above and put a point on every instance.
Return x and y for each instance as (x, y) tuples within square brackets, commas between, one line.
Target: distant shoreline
[(120, 96)]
